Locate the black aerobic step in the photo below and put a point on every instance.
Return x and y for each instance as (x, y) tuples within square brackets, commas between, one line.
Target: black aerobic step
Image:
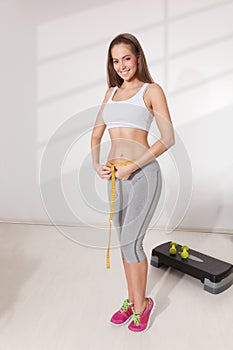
[(217, 275)]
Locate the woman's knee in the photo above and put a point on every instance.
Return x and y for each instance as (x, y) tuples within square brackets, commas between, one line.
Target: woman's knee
[(132, 253)]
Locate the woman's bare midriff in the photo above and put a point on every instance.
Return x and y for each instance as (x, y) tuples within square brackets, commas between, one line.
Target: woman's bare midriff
[(127, 144)]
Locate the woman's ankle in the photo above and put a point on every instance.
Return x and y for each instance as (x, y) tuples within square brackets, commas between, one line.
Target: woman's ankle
[(140, 307)]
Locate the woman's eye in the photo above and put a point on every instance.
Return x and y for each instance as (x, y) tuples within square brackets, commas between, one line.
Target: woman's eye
[(128, 58)]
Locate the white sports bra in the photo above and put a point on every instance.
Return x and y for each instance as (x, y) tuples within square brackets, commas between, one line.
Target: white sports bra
[(131, 113)]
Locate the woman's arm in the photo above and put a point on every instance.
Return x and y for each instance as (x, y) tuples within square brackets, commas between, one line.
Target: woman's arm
[(159, 106), (96, 136)]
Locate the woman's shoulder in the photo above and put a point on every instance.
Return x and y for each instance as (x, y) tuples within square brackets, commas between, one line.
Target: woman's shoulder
[(154, 87), (110, 89), (108, 93), (155, 90)]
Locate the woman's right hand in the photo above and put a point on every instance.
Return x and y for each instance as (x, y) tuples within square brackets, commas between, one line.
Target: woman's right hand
[(103, 171)]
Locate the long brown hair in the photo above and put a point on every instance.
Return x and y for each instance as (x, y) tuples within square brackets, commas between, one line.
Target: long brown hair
[(143, 73)]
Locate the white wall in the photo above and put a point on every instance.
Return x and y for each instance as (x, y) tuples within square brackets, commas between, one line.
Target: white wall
[(53, 57)]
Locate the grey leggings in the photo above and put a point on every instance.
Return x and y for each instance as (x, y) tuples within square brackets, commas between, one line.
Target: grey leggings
[(135, 202)]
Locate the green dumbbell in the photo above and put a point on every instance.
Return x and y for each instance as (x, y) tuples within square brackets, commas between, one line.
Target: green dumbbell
[(173, 249), (184, 252)]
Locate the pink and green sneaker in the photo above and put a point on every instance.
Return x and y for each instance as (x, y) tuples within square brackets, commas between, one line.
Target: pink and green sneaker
[(141, 320), (123, 315)]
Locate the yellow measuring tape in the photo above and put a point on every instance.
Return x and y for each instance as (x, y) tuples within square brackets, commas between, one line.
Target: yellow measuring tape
[(112, 205)]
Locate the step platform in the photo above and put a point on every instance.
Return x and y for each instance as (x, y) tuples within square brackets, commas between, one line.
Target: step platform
[(216, 275)]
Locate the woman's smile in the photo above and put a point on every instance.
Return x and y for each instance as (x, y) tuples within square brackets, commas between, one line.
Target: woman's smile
[(125, 72)]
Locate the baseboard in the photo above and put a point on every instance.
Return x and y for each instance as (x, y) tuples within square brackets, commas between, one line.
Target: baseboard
[(99, 225)]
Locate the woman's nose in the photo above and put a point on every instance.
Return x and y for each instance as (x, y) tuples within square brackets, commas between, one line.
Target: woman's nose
[(122, 65)]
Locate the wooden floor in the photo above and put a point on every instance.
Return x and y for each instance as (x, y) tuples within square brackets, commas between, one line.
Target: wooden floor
[(57, 295)]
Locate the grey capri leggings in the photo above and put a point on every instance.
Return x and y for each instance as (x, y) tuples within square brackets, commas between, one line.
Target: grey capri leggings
[(135, 202)]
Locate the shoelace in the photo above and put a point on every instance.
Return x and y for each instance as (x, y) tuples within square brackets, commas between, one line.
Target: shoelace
[(125, 306), (136, 317)]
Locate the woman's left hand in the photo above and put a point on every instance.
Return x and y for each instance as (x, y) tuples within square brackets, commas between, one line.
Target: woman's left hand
[(123, 172)]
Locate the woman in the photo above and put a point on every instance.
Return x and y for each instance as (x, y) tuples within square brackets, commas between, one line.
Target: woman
[(130, 104)]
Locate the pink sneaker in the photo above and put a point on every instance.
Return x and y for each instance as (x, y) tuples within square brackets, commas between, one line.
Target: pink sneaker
[(123, 315), (141, 320)]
